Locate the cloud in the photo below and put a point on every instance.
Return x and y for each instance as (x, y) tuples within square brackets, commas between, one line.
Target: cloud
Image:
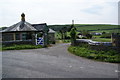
[(95, 9), (59, 11)]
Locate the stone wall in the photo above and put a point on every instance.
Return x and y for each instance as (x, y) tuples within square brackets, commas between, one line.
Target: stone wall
[(8, 43), (51, 37), (115, 39)]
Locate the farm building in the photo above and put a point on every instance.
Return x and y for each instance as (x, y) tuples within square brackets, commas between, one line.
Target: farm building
[(26, 33)]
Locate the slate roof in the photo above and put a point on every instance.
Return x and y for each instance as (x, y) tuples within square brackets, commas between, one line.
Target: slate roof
[(25, 26), (39, 27), (51, 31), (20, 26)]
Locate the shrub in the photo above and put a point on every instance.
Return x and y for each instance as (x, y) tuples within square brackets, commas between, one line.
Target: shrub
[(84, 37), (67, 37)]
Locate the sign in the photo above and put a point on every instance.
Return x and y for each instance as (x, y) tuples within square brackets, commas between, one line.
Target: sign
[(40, 41)]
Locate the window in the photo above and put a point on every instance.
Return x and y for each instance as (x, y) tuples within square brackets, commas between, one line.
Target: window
[(7, 37), (29, 36), (17, 36), (24, 35)]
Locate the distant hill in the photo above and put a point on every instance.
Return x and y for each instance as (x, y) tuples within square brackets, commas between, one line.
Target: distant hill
[(90, 27), (2, 28)]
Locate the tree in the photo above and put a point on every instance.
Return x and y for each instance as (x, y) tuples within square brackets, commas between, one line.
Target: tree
[(103, 32), (73, 36), (87, 34), (63, 32)]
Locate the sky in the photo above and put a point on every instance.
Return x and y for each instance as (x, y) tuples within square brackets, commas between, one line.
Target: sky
[(59, 11)]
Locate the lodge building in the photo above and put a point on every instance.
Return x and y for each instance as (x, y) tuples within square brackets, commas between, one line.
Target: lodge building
[(26, 33)]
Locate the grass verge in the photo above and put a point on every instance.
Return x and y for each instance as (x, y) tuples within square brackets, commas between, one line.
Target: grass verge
[(20, 47), (100, 55)]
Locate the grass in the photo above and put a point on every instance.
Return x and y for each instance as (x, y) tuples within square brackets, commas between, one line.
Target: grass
[(99, 28), (92, 27), (102, 39), (20, 47), (109, 55)]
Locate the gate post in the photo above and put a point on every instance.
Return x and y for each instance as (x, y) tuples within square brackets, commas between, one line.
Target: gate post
[(45, 31)]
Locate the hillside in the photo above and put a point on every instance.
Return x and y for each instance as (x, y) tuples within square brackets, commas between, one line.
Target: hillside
[(90, 27)]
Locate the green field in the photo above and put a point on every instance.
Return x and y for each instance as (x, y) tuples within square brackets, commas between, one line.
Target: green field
[(102, 39), (90, 27)]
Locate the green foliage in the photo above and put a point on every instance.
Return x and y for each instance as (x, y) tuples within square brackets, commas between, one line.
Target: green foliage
[(73, 33), (86, 34), (73, 36), (89, 36), (101, 55), (2, 28), (20, 47)]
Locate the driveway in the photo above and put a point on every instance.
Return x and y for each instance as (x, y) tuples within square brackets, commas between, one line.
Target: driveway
[(53, 62)]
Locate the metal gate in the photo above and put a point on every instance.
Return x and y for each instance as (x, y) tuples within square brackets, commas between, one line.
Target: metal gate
[(40, 41)]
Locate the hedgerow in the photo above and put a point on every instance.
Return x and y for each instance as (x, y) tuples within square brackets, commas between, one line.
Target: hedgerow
[(100, 55)]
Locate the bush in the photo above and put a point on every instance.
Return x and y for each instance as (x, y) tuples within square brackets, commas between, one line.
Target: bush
[(52, 42), (68, 37), (84, 37), (89, 36)]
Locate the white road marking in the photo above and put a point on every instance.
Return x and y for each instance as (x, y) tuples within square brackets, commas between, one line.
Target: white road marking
[(117, 71), (91, 66), (70, 66), (81, 67)]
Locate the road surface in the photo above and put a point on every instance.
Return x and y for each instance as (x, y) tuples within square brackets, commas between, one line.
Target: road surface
[(53, 62)]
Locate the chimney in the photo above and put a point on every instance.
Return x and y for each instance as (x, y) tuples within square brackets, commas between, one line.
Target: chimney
[(22, 17)]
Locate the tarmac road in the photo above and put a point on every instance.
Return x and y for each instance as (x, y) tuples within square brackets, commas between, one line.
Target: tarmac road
[(53, 62)]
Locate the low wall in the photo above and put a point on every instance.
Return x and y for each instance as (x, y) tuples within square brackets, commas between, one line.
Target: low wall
[(116, 39), (8, 43)]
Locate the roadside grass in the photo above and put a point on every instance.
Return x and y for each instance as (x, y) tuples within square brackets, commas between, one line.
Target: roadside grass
[(20, 47), (109, 55)]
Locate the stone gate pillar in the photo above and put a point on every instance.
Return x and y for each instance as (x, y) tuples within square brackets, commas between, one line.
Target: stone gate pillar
[(115, 39)]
